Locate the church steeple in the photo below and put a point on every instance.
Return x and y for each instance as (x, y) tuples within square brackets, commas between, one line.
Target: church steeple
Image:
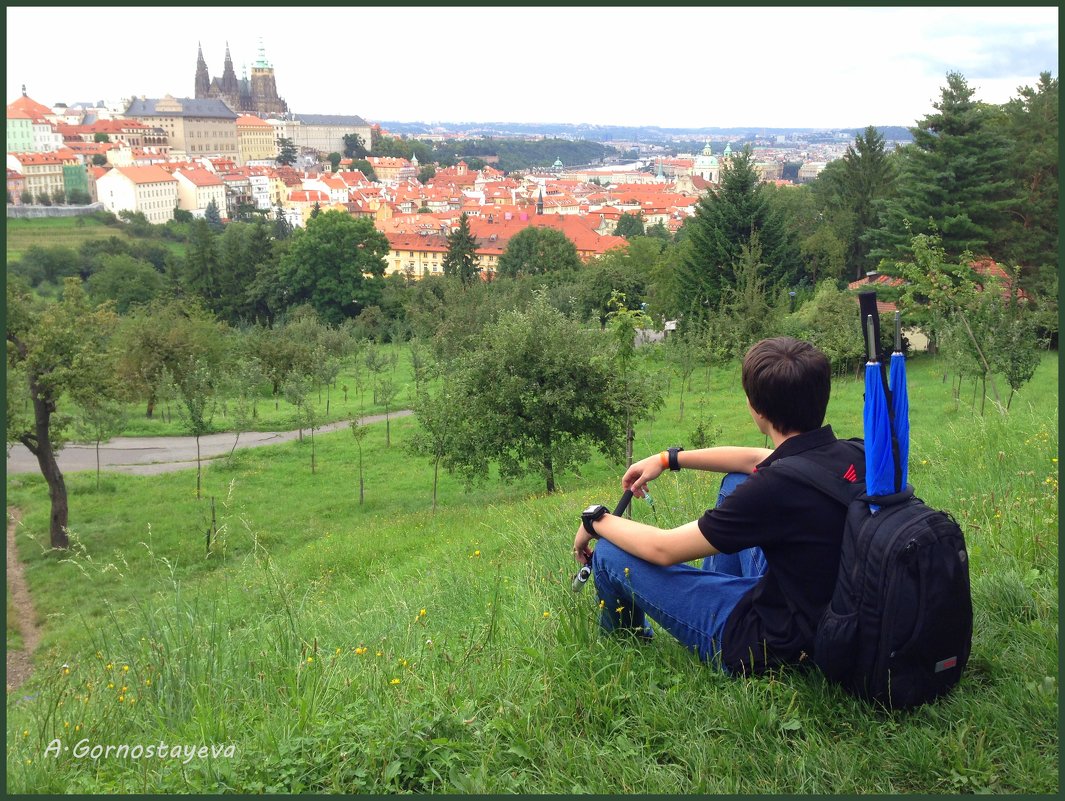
[(203, 80), (540, 202), (230, 86)]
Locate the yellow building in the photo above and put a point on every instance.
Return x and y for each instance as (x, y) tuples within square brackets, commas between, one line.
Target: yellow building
[(255, 140)]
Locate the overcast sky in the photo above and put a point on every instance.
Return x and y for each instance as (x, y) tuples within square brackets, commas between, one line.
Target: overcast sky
[(668, 66)]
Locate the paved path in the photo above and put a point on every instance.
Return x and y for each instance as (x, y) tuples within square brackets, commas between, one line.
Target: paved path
[(150, 455)]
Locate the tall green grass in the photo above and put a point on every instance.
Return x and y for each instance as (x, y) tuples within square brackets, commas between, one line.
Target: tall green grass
[(381, 648)]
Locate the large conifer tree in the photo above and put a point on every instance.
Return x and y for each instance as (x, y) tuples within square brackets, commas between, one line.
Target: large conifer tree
[(461, 256), (954, 177), (723, 224)]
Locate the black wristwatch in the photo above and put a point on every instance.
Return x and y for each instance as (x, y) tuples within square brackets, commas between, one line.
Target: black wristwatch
[(590, 515), (674, 465)]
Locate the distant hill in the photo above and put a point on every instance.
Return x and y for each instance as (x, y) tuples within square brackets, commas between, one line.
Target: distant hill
[(618, 133)]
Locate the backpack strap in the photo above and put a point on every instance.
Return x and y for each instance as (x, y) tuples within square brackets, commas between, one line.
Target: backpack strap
[(812, 474)]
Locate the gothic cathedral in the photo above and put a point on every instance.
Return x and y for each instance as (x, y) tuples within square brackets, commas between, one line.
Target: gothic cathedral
[(257, 95)]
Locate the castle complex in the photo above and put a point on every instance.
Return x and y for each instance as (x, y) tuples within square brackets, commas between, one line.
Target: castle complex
[(257, 95)]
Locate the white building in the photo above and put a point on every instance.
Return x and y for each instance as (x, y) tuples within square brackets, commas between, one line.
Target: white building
[(196, 189), (150, 190)]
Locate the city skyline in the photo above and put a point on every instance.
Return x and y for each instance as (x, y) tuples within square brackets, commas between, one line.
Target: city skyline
[(670, 67)]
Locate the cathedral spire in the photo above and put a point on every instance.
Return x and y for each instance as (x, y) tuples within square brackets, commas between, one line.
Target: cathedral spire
[(203, 80), (230, 87)]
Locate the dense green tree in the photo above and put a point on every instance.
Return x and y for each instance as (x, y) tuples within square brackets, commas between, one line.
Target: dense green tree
[(537, 392), (1030, 122), (164, 338), (331, 262), (461, 257), (53, 353), (723, 224), (954, 180), (100, 136), (126, 281), (538, 251), (334, 161), (51, 263), (99, 160), (630, 225), (200, 273), (354, 147), (364, 166), (623, 273), (286, 151), (426, 173), (213, 217)]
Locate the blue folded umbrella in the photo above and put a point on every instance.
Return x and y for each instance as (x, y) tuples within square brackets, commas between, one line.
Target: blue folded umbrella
[(879, 460), (900, 404)]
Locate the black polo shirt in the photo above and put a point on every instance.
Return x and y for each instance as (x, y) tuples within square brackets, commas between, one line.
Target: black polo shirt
[(799, 530)]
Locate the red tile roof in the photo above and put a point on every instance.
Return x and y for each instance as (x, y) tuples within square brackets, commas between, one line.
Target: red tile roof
[(200, 177), (146, 175), (28, 106)]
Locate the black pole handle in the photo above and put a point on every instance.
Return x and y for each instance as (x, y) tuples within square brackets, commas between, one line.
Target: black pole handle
[(623, 504)]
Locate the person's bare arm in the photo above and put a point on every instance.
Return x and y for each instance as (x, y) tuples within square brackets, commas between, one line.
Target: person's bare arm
[(721, 459)]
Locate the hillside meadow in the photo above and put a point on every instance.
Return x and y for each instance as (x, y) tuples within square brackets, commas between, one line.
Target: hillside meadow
[(383, 648)]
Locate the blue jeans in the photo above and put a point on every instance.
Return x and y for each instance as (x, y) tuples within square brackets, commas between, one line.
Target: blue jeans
[(690, 603)]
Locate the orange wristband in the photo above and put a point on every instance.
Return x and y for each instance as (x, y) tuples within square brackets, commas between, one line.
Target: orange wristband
[(663, 457)]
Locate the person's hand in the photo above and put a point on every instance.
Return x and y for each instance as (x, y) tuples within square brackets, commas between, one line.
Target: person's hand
[(637, 476), (581, 552)]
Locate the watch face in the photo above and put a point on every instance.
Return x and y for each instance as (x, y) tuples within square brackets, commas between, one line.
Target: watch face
[(591, 509)]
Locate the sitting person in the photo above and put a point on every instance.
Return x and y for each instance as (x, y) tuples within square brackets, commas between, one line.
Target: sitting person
[(770, 547)]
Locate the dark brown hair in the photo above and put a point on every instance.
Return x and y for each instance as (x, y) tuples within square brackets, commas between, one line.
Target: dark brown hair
[(787, 381)]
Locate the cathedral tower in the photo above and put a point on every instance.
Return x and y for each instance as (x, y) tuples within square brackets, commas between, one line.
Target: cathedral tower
[(203, 80)]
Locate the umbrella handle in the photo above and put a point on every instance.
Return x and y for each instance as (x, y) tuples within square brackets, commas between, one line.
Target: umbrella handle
[(898, 333), (870, 340)]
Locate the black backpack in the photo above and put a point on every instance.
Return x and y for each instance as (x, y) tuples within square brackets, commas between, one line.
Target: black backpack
[(898, 629)]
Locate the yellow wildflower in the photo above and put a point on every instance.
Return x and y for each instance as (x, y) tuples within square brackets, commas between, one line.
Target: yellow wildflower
[(620, 609), (394, 681), (421, 613), (121, 698), (547, 614)]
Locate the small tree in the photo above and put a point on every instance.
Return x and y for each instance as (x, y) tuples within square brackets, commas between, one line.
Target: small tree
[(639, 396), (536, 392), (334, 161), (298, 393), (438, 419), (359, 431), (100, 418), (388, 391), (196, 386)]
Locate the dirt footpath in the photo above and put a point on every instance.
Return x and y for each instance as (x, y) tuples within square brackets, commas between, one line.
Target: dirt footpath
[(20, 663)]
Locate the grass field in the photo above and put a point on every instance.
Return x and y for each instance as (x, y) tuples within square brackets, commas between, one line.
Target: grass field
[(382, 648), (69, 232)]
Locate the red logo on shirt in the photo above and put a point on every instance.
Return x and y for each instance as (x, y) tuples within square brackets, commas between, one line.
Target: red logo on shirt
[(851, 475)]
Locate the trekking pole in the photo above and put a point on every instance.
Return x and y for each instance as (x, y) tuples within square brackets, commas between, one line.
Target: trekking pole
[(586, 570)]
